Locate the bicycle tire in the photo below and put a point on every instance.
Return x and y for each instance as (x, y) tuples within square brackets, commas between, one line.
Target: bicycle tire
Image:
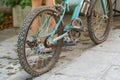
[(93, 35), (22, 41)]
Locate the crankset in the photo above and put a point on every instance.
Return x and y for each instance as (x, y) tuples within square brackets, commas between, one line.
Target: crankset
[(76, 29)]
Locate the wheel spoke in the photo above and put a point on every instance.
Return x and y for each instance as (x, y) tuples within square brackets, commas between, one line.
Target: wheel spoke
[(35, 56), (99, 25)]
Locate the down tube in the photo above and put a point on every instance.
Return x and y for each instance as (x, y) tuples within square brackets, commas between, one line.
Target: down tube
[(104, 6), (77, 10)]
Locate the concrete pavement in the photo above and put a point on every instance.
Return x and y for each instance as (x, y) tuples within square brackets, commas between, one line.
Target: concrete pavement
[(101, 62), (82, 62)]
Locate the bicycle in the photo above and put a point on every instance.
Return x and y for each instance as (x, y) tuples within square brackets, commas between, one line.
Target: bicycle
[(36, 62)]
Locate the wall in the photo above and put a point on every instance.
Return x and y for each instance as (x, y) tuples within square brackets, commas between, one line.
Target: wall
[(19, 15)]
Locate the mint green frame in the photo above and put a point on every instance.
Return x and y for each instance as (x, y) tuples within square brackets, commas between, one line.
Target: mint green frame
[(66, 4)]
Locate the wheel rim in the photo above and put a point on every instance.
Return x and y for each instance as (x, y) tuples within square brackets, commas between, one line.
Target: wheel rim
[(39, 61), (99, 23)]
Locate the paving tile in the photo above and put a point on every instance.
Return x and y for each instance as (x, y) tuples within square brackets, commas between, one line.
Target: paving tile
[(21, 75), (96, 57), (64, 77), (112, 74), (108, 46), (84, 69), (114, 35), (116, 61)]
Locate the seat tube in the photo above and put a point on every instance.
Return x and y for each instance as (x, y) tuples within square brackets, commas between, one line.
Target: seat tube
[(77, 10), (103, 3)]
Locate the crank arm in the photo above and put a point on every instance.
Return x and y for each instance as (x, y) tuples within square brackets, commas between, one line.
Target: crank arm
[(60, 37)]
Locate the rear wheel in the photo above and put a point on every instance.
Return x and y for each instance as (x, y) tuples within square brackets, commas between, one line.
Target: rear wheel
[(34, 61), (98, 24)]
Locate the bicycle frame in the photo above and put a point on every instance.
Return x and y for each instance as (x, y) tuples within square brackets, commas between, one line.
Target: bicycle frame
[(66, 4)]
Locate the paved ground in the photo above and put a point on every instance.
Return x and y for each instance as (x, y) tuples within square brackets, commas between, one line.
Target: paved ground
[(82, 62)]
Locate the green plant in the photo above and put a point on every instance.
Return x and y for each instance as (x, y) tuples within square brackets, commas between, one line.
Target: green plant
[(1, 17), (12, 3), (25, 3)]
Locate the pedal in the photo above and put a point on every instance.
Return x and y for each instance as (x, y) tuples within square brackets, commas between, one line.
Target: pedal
[(77, 28), (77, 25)]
